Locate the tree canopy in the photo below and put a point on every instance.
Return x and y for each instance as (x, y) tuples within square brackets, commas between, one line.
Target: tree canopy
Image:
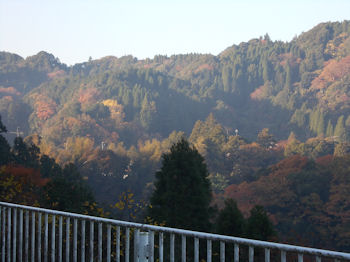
[(182, 192)]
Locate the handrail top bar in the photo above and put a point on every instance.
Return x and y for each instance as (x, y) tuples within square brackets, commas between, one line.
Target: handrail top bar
[(190, 233)]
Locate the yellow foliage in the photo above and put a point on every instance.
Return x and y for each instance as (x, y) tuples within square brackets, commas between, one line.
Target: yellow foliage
[(110, 103), (116, 110), (152, 149)]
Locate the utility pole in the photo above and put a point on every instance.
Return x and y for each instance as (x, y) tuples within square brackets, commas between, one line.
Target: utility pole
[(17, 132), (103, 144)]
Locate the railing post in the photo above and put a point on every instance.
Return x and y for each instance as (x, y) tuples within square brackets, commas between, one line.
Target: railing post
[(3, 234), (283, 256), (183, 248), (117, 244), (82, 252), (14, 247), (300, 257), (136, 245), (20, 236), (127, 244), (267, 255), (222, 251), (108, 243), (67, 238), (100, 242), (9, 234), (39, 237), (75, 240), (33, 237), (236, 253), (151, 246), (60, 221), (46, 238), (172, 247), (196, 249), (91, 241), (209, 250), (251, 254), (53, 238), (161, 242)]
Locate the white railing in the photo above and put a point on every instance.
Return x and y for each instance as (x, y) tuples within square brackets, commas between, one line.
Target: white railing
[(37, 234)]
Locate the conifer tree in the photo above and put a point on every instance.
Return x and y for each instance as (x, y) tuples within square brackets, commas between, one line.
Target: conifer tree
[(329, 131), (339, 130), (5, 154), (182, 189), (259, 225), (320, 124), (230, 220)]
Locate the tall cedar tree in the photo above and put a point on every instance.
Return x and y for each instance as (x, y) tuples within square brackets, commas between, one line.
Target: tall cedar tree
[(230, 220), (5, 154), (182, 190)]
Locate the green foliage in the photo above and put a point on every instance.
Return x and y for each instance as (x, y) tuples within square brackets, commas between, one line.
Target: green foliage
[(265, 139), (230, 220), (5, 154), (259, 225), (67, 191), (339, 130), (182, 192)]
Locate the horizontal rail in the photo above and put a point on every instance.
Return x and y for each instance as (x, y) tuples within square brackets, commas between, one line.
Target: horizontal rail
[(189, 233)]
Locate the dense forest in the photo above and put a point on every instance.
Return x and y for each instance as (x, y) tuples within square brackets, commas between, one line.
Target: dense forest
[(271, 119)]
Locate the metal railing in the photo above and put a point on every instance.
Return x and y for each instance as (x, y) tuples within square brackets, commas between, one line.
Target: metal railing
[(37, 234)]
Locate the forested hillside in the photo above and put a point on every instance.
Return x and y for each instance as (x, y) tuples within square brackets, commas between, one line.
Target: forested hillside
[(245, 110)]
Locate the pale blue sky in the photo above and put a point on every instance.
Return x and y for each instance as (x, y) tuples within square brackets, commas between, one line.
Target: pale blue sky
[(73, 30)]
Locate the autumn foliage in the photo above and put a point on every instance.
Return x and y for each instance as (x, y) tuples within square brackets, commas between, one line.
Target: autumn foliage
[(333, 71)]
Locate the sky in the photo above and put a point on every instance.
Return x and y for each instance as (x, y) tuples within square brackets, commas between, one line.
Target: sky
[(74, 30)]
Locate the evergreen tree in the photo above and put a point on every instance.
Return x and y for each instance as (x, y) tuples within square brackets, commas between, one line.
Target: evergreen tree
[(5, 153), (67, 191), (182, 189), (148, 110), (329, 131), (288, 83), (339, 130), (259, 225), (230, 220), (320, 124), (226, 78), (266, 70), (25, 155), (265, 139)]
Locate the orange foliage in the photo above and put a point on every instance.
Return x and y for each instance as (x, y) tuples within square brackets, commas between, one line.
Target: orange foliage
[(10, 90), (21, 185), (258, 93), (325, 160), (264, 191), (178, 68), (88, 96), (28, 176), (204, 67), (56, 74), (45, 107), (8, 98), (288, 58), (333, 71)]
